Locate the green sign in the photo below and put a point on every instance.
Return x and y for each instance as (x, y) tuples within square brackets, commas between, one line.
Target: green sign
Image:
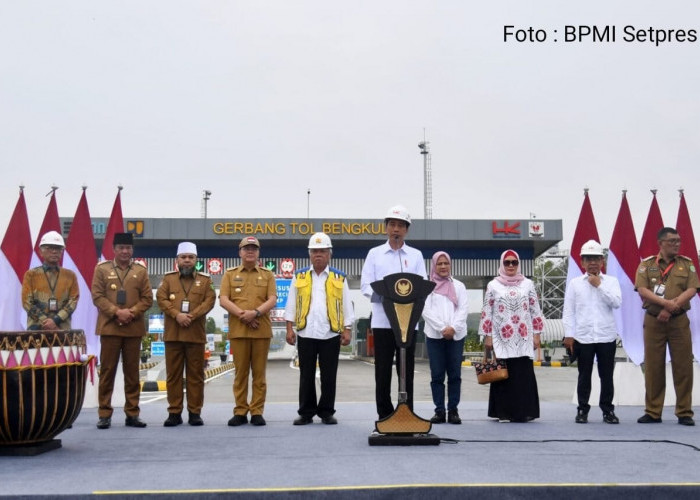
[(270, 265), (199, 266)]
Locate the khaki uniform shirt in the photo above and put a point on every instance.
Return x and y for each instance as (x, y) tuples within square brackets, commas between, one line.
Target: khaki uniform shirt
[(248, 290), (680, 278), (198, 289), (36, 293), (106, 282)]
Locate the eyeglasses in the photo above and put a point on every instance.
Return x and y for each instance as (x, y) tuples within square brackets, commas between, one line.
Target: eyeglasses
[(673, 241), (509, 263)]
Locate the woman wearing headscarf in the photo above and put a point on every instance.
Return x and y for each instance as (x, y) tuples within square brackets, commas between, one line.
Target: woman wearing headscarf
[(445, 315), (511, 321)]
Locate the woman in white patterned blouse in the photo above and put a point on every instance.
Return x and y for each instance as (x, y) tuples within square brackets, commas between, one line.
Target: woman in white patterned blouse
[(511, 321)]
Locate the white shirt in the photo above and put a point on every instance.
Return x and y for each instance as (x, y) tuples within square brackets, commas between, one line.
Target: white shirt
[(440, 312), (588, 311), (382, 261), (317, 324)]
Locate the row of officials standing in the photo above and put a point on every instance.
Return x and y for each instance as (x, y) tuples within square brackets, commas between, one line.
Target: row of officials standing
[(319, 315)]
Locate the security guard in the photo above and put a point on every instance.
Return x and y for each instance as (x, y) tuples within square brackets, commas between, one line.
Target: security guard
[(666, 282), (185, 296)]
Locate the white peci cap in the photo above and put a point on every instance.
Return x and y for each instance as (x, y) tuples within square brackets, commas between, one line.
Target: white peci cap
[(186, 247)]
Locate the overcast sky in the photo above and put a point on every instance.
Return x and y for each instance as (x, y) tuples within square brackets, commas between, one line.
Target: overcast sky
[(259, 101)]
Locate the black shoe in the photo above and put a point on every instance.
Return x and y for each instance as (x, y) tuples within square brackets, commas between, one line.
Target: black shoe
[(609, 417), (195, 419), (439, 417), (237, 420), (581, 417), (302, 420), (257, 420), (134, 422), (173, 420), (686, 421), (648, 419), (453, 417), (104, 423), (329, 420)]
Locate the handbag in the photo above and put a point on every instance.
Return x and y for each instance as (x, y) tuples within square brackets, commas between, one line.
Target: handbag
[(491, 370)]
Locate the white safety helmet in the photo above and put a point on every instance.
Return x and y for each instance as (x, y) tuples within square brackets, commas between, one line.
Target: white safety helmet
[(592, 247), (320, 240), (52, 238), (398, 212)]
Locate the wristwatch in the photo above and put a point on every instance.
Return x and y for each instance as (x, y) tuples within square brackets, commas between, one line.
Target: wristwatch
[(257, 313)]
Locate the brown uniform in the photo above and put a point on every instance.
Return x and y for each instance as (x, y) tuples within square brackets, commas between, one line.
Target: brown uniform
[(116, 338), (248, 290), (184, 346), (49, 293), (675, 333)]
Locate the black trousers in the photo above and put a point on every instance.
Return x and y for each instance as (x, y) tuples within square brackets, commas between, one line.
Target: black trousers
[(385, 349), (605, 352), (326, 352)]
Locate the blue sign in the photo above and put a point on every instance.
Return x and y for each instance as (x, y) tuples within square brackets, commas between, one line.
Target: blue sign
[(157, 348), (282, 292), (156, 323)]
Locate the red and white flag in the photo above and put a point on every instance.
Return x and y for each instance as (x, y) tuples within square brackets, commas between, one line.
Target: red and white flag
[(51, 223), (649, 246), (15, 257), (623, 262), (81, 257), (585, 230), (688, 248), (115, 225)]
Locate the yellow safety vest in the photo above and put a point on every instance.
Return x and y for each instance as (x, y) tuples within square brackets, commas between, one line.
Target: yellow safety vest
[(334, 298)]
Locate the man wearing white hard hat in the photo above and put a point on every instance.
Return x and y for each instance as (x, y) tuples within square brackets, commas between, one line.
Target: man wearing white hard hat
[(591, 331), (394, 256), (185, 296), (50, 292), (320, 309)]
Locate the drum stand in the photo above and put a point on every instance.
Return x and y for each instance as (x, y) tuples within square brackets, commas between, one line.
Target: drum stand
[(29, 450)]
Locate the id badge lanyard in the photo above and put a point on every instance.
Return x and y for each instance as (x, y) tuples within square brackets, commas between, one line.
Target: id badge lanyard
[(185, 305), (661, 287), (53, 302), (121, 293)]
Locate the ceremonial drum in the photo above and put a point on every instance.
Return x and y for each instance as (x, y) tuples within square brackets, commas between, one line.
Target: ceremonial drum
[(42, 384)]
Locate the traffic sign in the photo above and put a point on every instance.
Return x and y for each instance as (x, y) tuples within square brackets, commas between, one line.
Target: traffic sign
[(215, 266)]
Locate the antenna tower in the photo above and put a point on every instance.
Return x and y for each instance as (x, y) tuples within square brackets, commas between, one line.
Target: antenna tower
[(427, 179)]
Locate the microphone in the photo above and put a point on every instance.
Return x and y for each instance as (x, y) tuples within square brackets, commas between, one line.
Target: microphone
[(396, 241)]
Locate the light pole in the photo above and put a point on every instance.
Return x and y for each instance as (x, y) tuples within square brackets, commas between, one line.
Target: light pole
[(205, 198), (427, 179), (308, 202)]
